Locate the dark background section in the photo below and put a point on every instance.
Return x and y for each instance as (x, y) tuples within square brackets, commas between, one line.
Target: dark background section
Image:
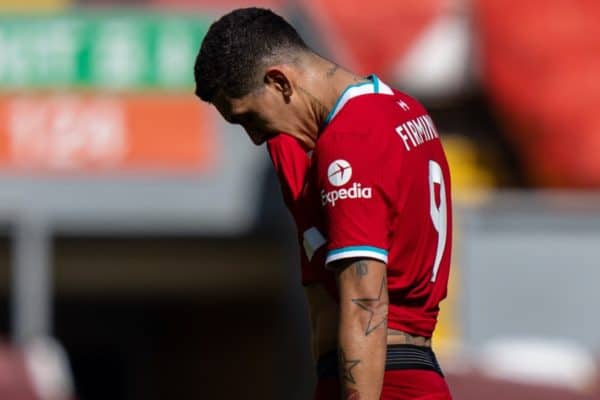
[(160, 318)]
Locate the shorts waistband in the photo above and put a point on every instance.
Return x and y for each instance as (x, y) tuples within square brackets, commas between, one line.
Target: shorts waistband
[(398, 357)]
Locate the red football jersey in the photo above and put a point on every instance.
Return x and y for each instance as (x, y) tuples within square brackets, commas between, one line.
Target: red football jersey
[(383, 184), (292, 165)]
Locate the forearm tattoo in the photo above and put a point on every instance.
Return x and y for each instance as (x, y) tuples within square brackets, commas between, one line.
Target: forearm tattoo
[(372, 306), (346, 367), (361, 268)]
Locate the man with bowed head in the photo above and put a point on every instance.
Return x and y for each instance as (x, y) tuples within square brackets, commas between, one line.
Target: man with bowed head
[(364, 174)]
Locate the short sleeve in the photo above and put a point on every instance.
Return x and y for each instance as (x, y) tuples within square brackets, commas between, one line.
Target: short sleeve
[(354, 203), (291, 163)]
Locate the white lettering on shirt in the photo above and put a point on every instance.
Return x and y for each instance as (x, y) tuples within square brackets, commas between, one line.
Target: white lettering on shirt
[(417, 131), (356, 191)]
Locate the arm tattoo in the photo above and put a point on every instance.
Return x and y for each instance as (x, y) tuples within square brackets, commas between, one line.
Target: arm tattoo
[(351, 394), (346, 367), (370, 305), (361, 268)]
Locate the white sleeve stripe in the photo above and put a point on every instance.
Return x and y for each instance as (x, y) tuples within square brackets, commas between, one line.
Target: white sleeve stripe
[(313, 241), (356, 253)]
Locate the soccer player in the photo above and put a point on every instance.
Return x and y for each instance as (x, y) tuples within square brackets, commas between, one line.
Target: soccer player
[(365, 176)]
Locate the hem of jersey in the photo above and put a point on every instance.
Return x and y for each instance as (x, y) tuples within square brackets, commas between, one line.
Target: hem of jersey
[(419, 327), (357, 251)]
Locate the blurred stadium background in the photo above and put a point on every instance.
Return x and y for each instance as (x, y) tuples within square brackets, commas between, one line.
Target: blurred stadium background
[(149, 240)]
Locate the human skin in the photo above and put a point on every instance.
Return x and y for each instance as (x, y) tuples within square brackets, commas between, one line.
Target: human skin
[(296, 98)]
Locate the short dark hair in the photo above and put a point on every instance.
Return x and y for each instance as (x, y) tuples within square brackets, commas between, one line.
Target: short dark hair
[(237, 46)]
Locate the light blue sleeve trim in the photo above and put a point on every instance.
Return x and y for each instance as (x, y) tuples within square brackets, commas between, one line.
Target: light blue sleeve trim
[(357, 248), (357, 252)]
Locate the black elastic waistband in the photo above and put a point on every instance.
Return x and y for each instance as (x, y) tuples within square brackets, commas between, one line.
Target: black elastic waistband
[(398, 357)]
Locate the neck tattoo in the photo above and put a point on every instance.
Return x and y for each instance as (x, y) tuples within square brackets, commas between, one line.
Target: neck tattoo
[(332, 70), (320, 109)]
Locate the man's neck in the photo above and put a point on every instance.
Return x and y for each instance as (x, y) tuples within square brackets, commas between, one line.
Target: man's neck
[(335, 80), (322, 85)]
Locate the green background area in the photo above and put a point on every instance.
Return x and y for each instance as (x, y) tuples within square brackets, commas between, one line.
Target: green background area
[(114, 51)]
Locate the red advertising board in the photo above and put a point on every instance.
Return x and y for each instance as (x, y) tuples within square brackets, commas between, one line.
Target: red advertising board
[(541, 63), (96, 133), (373, 37)]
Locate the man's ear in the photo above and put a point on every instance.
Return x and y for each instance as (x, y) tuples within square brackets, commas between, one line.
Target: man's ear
[(277, 79)]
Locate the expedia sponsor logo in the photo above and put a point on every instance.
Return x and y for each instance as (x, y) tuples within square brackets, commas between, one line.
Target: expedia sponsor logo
[(356, 191), (339, 172)]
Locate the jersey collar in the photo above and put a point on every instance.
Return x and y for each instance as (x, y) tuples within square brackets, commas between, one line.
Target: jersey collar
[(371, 86)]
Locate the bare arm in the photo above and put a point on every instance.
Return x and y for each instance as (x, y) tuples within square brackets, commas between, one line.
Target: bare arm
[(362, 331)]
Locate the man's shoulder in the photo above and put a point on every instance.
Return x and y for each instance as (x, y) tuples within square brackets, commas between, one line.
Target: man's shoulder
[(391, 104), (376, 111), (369, 122)]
